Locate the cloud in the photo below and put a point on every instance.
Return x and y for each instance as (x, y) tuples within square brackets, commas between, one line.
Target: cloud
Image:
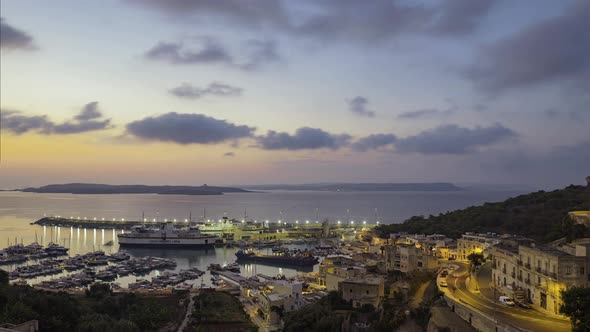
[(457, 17), (551, 50), (332, 20), (12, 38), (304, 138), (418, 113), (373, 142), (254, 54), (186, 90), (18, 123), (358, 105), (187, 129), (176, 53), (452, 139), (89, 111), (250, 13), (229, 154)]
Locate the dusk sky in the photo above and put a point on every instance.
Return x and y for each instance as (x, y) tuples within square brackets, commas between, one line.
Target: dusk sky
[(261, 91)]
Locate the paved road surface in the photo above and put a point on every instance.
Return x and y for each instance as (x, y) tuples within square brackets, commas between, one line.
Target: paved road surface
[(526, 319)]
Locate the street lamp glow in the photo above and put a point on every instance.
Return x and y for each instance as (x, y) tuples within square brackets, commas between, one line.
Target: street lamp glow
[(154, 219), (243, 221), (94, 218), (144, 219), (165, 220), (307, 221), (296, 221), (102, 219), (122, 219), (364, 222), (185, 220), (338, 222), (352, 222), (174, 220)]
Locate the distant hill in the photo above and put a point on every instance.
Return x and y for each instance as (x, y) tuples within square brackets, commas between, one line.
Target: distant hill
[(91, 188), (359, 187), (539, 215)]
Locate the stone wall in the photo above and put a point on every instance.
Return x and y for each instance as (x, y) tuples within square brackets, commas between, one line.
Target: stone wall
[(477, 319)]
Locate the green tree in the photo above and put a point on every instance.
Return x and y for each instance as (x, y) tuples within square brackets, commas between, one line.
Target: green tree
[(475, 258), (576, 305), (3, 278), (99, 290)]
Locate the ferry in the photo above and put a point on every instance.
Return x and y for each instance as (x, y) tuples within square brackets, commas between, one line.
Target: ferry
[(167, 236), (284, 258)]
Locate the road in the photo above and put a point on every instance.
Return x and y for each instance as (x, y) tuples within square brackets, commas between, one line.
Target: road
[(189, 311), (526, 319)]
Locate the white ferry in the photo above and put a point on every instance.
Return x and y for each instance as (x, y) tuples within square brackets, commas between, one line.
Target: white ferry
[(168, 236)]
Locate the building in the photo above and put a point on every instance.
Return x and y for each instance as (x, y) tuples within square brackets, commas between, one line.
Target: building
[(407, 258), (338, 274), (332, 263), (541, 272), (475, 243), (580, 217), (281, 296), (361, 291)]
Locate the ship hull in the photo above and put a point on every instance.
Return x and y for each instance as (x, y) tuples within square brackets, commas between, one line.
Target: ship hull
[(270, 260), (166, 243)]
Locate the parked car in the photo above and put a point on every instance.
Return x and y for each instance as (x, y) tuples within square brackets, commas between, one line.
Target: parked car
[(523, 304), (443, 283), (506, 300)]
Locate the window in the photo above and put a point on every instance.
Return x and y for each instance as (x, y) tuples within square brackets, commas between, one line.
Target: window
[(351, 290), (367, 292), (582, 270)]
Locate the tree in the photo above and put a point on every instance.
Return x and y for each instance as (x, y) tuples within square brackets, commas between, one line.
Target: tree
[(475, 258), (99, 290), (576, 305), (3, 278)]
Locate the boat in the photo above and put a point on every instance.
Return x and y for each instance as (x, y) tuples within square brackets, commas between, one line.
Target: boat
[(286, 258), (109, 243), (167, 236)]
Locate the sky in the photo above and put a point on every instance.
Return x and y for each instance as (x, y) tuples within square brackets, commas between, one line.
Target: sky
[(231, 92)]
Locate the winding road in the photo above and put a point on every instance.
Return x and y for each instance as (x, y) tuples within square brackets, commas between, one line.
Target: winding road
[(525, 319)]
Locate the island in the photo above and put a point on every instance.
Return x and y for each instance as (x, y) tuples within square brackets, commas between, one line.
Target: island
[(92, 188), (434, 186)]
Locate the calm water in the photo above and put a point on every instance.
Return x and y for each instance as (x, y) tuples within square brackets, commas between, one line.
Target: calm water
[(18, 210)]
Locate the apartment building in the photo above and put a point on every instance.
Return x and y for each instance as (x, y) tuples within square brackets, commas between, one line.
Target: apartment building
[(407, 258), (540, 272), (361, 291), (280, 295), (475, 243)]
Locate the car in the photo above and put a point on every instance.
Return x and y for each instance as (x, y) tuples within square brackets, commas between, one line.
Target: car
[(443, 283), (444, 273), (523, 304), (506, 300)]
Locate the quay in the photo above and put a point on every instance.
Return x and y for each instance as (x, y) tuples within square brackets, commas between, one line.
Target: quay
[(226, 228)]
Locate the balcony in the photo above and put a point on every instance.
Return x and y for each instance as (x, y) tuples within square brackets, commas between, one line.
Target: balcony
[(538, 269), (527, 265), (504, 271), (519, 262), (527, 281), (513, 274), (519, 278)]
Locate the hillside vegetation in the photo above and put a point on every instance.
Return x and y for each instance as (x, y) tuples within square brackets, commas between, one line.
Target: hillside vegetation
[(539, 215)]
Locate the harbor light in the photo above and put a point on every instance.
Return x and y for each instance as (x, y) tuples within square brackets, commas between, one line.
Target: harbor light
[(144, 219), (352, 222), (317, 221), (185, 220), (154, 219), (338, 222), (165, 220), (71, 218), (296, 221), (377, 222), (114, 219), (122, 219), (94, 218), (102, 219), (243, 221), (307, 221), (364, 222), (174, 220), (84, 218)]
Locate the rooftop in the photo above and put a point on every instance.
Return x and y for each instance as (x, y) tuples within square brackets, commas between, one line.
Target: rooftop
[(365, 281)]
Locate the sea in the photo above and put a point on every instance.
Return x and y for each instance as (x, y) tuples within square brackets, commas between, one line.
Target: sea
[(19, 210)]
